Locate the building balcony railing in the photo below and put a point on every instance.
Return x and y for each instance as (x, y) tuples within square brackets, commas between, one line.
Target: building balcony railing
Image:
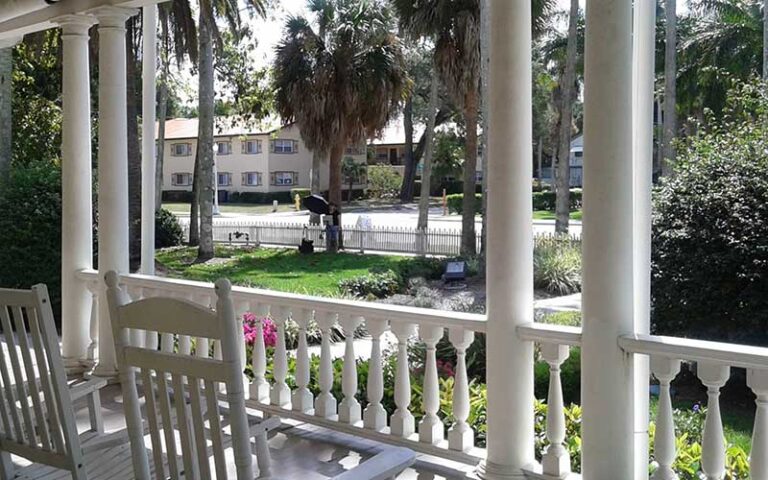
[(451, 437)]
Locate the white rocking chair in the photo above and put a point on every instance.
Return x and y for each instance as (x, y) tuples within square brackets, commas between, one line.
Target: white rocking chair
[(37, 420)]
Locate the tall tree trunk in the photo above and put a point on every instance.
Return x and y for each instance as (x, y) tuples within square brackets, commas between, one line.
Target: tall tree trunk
[(334, 177), (134, 152), (426, 174), (194, 207), (468, 238), (6, 109), (670, 88), (314, 182), (205, 135), (161, 117), (765, 40), (409, 174), (562, 189), (485, 66), (539, 152)]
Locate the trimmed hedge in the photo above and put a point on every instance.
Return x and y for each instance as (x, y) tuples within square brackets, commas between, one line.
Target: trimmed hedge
[(260, 197), (544, 200), (177, 196)]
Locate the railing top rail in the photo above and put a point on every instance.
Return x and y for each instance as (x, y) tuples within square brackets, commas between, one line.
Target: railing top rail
[(370, 310), (732, 354), (548, 333)]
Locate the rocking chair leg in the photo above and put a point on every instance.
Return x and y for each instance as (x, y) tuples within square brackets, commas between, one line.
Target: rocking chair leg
[(94, 412), (6, 466), (262, 456)]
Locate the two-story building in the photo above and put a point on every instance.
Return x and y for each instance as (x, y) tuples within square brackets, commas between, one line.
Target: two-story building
[(262, 158)]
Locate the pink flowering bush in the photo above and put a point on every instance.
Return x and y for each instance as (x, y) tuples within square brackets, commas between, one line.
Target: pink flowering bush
[(269, 330)]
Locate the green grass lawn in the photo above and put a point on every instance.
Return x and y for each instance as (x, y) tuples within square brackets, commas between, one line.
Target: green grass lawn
[(547, 215), (284, 270)]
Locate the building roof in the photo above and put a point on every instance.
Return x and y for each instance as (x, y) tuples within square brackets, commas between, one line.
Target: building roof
[(186, 128), (394, 133)]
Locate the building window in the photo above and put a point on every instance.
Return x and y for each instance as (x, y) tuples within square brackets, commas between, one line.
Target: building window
[(284, 178), (251, 147), (181, 179), (224, 148), (225, 179), (181, 149), (285, 146), (354, 150), (251, 179)]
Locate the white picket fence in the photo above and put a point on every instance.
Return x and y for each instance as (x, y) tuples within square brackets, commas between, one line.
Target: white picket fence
[(433, 241)]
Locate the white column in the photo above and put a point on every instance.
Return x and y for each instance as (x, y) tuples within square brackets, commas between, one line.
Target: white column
[(113, 166), (643, 54), (510, 243), (76, 201), (608, 306), (149, 72)]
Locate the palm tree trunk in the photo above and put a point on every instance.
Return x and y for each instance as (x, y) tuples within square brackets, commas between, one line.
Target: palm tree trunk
[(314, 182), (670, 88), (194, 208), (409, 175), (468, 240), (6, 109), (161, 117), (562, 189), (205, 135), (134, 152), (426, 174), (334, 177)]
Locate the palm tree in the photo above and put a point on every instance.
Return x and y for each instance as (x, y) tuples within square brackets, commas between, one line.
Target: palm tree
[(426, 171), (670, 86), (455, 27), (341, 83), (6, 69), (352, 171)]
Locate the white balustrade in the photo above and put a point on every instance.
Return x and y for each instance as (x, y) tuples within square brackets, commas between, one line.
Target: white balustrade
[(431, 428), (280, 394), (665, 370), (555, 461), (302, 398), (713, 376), (325, 403), (402, 423), (374, 416), (460, 435), (758, 459), (259, 389), (349, 409)]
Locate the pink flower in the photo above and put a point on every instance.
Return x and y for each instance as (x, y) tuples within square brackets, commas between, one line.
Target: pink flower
[(250, 330), (445, 367)]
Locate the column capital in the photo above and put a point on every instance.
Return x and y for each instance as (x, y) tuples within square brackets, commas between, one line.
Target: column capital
[(77, 24), (112, 17), (10, 42)]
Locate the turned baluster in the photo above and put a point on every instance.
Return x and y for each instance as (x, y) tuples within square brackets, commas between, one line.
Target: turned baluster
[(713, 376), (374, 416), (431, 429), (349, 409), (302, 397), (259, 389), (280, 394), (758, 457), (555, 461), (460, 435), (325, 403), (93, 329), (665, 370), (402, 423)]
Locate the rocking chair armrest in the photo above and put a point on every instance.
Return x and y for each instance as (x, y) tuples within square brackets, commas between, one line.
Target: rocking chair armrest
[(385, 465), (108, 440), (91, 385)]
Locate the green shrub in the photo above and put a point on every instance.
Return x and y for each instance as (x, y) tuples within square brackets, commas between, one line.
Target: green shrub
[(372, 285), (383, 181), (30, 229), (168, 232), (456, 203), (710, 229), (177, 196), (260, 197), (542, 200), (557, 265)]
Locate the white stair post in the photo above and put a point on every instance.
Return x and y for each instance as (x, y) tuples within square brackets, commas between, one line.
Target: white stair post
[(431, 428), (76, 190), (374, 416), (349, 409), (758, 457), (713, 376), (665, 370), (509, 276), (113, 166), (555, 461), (402, 423)]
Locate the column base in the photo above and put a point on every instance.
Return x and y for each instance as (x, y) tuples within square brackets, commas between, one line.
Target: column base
[(493, 471), (76, 366), (110, 374)]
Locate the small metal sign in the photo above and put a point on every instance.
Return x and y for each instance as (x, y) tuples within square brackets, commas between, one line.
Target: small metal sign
[(455, 271)]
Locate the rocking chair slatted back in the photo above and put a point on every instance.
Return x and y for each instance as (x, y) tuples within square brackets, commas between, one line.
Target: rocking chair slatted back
[(36, 416), (181, 387)]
